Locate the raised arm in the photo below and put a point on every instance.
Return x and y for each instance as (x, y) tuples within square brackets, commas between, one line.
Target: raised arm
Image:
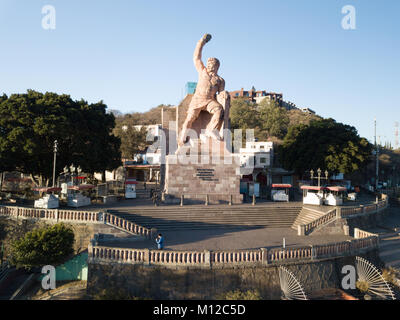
[(197, 52)]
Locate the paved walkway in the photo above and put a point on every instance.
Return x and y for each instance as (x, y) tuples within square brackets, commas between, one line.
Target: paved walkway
[(251, 238), (389, 234)]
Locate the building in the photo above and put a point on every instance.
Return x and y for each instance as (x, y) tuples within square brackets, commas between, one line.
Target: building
[(256, 155), (190, 87), (307, 110), (257, 96), (153, 130)]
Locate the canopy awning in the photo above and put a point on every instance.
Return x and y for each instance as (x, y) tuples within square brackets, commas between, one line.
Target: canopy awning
[(312, 188), (277, 185), (131, 182), (47, 189), (82, 187), (336, 188)]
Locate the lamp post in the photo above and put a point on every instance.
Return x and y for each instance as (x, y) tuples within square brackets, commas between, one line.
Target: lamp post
[(377, 160), (319, 171), (72, 170), (54, 163)]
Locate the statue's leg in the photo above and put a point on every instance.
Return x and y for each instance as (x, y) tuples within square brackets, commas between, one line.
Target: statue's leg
[(217, 112), (190, 118)]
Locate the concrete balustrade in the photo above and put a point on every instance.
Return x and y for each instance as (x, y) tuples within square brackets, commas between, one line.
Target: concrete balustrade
[(126, 225), (344, 213), (207, 259), (50, 214)]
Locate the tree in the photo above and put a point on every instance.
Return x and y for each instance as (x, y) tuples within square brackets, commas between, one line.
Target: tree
[(43, 246), (324, 144), (133, 141), (274, 119), (243, 114), (31, 122)]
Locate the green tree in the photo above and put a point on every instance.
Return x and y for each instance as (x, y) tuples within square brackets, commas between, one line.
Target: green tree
[(274, 119), (133, 141), (31, 122), (324, 144), (243, 114), (43, 246)]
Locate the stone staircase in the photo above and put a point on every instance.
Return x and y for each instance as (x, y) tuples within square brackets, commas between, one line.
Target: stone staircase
[(210, 217), (306, 216), (389, 249), (389, 235)]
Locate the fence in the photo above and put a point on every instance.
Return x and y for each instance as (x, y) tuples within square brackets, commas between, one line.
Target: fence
[(98, 254), (128, 226), (344, 213), (51, 214), (351, 212), (73, 216), (309, 227)]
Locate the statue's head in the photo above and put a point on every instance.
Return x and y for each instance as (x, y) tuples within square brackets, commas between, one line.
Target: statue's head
[(212, 65)]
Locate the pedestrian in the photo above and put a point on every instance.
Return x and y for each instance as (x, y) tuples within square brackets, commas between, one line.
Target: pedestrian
[(160, 241), (155, 199)]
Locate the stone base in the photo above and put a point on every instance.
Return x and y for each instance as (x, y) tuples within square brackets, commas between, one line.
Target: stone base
[(197, 176)]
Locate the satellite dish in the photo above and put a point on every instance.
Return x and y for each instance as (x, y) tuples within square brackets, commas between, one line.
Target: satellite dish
[(290, 286), (377, 285)]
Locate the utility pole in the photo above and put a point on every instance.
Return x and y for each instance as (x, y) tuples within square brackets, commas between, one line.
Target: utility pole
[(377, 160), (54, 163)]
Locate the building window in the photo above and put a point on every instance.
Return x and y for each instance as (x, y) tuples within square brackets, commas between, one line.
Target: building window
[(263, 160)]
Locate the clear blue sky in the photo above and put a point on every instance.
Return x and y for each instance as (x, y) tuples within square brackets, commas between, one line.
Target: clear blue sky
[(135, 55)]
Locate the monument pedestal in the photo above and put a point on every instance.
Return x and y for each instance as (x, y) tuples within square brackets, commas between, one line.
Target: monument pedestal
[(202, 176)]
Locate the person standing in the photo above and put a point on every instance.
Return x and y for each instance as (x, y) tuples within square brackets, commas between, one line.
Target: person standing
[(160, 241)]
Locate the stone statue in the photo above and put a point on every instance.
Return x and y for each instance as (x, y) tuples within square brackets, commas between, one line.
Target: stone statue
[(210, 96)]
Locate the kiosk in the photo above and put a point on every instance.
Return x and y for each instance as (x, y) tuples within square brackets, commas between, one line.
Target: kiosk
[(313, 195), (76, 198), (48, 201), (334, 195), (280, 192), (130, 188)]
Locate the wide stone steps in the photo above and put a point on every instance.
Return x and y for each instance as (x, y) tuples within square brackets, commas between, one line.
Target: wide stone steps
[(186, 218), (306, 216), (389, 249)]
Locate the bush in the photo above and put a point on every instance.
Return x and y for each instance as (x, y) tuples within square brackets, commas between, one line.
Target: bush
[(43, 246), (115, 294), (240, 295), (363, 286)]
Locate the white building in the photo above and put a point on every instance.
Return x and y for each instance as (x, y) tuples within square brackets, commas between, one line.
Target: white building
[(256, 155)]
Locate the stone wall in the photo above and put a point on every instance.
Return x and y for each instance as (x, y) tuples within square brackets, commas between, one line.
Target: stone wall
[(155, 282), (195, 181)]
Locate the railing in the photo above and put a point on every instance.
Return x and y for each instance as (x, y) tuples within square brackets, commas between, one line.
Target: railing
[(76, 217), (328, 217), (344, 213), (51, 214), (167, 258), (351, 212), (126, 225), (361, 234)]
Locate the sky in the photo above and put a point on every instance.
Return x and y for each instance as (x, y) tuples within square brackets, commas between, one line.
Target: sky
[(135, 55)]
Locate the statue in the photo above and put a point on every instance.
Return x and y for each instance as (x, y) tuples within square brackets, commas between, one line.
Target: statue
[(206, 97)]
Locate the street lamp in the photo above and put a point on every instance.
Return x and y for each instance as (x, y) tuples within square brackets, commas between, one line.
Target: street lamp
[(54, 163), (319, 171)]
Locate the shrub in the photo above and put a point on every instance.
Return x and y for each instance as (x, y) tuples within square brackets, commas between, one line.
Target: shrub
[(240, 295), (363, 286), (43, 246)]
